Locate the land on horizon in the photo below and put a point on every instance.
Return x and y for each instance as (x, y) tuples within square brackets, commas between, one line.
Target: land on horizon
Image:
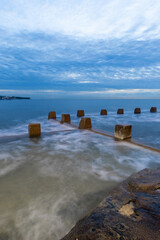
[(13, 98)]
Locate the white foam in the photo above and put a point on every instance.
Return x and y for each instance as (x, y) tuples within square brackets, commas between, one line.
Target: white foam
[(40, 219)]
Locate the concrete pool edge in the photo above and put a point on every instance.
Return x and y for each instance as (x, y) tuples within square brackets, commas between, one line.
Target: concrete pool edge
[(130, 211)]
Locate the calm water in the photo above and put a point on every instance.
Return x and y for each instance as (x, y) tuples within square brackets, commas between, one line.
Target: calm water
[(15, 116), (47, 184)]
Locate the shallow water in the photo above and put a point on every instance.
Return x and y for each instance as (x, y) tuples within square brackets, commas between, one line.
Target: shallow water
[(47, 184)]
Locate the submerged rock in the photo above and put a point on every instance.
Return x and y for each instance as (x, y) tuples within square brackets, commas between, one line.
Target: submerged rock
[(130, 212)]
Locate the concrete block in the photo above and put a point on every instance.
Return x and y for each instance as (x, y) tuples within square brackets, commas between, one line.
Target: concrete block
[(153, 110), (137, 111), (34, 130), (65, 118), (120, 111), (85, 123), (123, 131), (103, 112), (80, 113), (52, 115)]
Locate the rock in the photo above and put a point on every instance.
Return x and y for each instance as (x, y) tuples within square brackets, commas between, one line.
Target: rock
[(130, 212), (127, 209)]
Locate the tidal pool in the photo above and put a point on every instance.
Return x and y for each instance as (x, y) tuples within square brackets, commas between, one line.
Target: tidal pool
[(48, 184)]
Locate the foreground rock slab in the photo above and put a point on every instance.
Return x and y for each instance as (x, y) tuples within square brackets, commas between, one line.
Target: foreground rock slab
[(130, 212)]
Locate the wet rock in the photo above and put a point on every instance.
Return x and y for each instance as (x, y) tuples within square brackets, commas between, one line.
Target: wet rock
[(130, 212)]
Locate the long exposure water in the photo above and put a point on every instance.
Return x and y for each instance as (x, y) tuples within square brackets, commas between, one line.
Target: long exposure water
[(49, 183)]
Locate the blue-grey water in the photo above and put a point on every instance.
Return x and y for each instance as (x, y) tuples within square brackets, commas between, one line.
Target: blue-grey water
[(15, 115), (48, 184)]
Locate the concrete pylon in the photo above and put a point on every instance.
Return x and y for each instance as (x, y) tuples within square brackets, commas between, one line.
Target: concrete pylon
[(123, 131), (65, 118), (137, 111), (85, 123), (34, 130), (52, 115), (80, 113), (103, 112), (120, 111), (153, 110)]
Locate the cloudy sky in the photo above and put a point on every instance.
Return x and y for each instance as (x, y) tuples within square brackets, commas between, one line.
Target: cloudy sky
[(80, 48)]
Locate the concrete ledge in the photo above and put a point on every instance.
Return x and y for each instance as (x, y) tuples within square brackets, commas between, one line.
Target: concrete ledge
[(34, 130), (103, 112), (137, 111), (85, 123), (120, 111), (153, 110), (123, 131), (80, 113), (130, 211), (65, 118), (52, 115)]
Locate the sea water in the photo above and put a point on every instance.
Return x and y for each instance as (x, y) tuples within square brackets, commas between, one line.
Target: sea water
[(15, 115), (47, 184)]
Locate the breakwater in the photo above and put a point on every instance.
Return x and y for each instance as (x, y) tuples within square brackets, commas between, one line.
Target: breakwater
[(122, 132)]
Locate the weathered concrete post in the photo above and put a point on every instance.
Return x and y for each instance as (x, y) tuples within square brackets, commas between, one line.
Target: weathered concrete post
[(123, 131), (103, 112), (137, 111), (65, 118), (85, 123), (80, 113), (153, 110), (34, 130), (52, 115), (120, 111)]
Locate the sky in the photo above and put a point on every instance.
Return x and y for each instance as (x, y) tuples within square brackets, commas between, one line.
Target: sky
[(80, 48)]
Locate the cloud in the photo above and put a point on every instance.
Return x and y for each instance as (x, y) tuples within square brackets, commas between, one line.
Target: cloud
[(131, 19), (78, 47), (107, 93), (120, 91), (31, 92)]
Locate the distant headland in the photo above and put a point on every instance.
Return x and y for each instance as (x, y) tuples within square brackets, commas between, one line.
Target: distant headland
[(14, 98)]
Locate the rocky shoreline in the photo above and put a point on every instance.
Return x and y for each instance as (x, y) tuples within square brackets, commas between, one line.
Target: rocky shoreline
[(130, 212)]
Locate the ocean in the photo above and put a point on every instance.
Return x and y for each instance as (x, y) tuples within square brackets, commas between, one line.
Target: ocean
[(47, 184)]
